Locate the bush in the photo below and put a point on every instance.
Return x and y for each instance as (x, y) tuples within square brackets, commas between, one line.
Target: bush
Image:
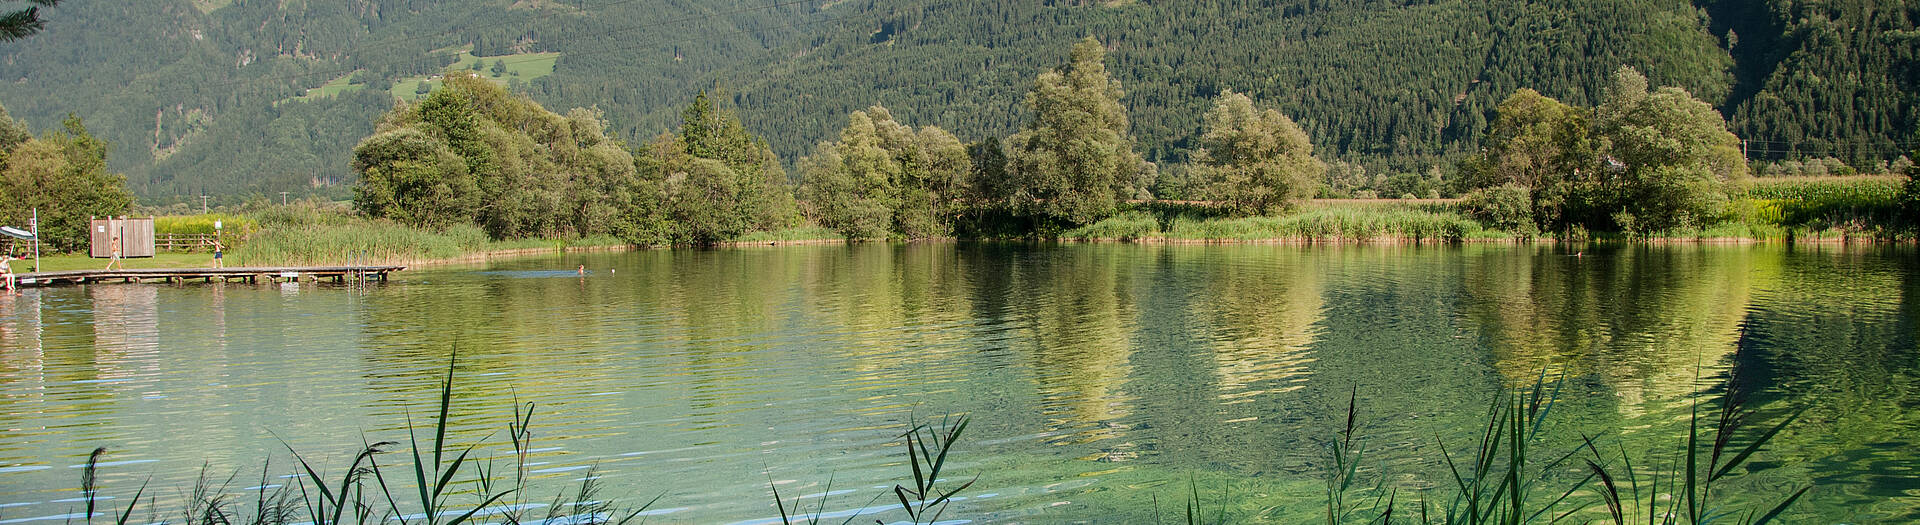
[(1670, 197), (1506, 207), (1130, 225)]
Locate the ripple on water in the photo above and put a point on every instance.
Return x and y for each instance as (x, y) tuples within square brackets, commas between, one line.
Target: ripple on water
[(1098, 377)]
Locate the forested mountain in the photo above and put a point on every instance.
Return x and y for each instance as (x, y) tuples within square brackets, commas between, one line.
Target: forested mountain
[(205, 96)]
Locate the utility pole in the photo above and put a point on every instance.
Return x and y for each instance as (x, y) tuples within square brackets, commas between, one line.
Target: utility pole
[(203, 204), (283, 198)]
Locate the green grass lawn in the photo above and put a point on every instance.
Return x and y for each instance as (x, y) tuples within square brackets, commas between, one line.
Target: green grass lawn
[(331, 88), (524, 66), (67, 262), (208, 6)]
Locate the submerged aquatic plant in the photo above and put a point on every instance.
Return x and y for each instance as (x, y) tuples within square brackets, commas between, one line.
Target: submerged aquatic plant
[(1499, 484), (1696, 479), (362, 495)]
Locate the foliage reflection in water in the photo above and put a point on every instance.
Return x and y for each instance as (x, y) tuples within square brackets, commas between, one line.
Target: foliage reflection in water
[(1099, 377)]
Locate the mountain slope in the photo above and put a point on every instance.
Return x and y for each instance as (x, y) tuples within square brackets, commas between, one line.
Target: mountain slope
[(202, 98)]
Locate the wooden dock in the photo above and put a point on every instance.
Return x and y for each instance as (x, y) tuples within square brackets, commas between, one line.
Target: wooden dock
[(251, 275)]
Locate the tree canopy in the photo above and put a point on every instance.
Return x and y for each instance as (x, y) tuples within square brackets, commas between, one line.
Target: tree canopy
[(1075, 160), (882, 179), (1645, 161), (24, 22), (232, 99), (1256, 162), (711, 182), (64, 175), (474, 153)]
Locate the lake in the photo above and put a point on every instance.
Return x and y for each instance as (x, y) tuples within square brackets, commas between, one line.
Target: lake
[(1102, 380)]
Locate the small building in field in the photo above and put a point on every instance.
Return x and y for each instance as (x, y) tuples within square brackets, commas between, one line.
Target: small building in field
[(134, 234)]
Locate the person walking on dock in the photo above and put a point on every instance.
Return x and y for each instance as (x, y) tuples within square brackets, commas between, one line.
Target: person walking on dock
[(113, 249)]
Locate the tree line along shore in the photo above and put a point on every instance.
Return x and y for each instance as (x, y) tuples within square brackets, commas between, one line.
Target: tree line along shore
[(475, 168)]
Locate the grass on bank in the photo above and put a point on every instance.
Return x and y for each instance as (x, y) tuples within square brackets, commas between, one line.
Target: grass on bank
[(1317, 221), (81, 261), (795, 234), (1806, 209), (1792, 209), (228, 224), (381, 242)]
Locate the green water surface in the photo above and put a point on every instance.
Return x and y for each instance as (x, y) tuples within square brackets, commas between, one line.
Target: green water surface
[(1102, 379)]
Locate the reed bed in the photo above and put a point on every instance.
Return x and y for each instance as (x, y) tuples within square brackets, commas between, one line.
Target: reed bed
[(367, 242), (795, 234), (1315, 222), (1509, 475)]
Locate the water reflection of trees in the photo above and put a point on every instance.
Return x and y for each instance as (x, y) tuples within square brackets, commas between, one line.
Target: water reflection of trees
[(1641, 319), (892, 308), (1076, 313), (1836, 335), (1260, 311)]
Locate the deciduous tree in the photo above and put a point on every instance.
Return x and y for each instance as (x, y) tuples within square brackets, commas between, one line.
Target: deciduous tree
[(1537, 144), (883, 179), (1667, 156), (1256, 162), (1073, 162), (64, 175)]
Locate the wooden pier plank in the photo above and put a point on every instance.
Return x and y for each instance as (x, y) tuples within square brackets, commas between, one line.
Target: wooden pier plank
[(249, 274)]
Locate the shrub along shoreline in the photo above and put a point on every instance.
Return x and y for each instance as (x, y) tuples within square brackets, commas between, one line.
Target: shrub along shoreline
[(315, 234)]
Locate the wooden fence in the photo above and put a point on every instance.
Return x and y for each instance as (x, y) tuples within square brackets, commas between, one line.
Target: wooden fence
[(187, 242)]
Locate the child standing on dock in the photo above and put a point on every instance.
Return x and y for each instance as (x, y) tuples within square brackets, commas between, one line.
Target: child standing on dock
[(217, 251)]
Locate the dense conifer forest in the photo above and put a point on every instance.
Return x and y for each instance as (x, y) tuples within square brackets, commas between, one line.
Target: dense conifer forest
[(248, 98)]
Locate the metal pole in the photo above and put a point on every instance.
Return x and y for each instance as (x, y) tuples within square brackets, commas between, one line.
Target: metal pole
[(283, 198), (203, 204), (35, 226)]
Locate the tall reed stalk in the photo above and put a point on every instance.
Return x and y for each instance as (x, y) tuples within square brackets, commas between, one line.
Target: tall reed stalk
[(363, 495), (1505, 482)]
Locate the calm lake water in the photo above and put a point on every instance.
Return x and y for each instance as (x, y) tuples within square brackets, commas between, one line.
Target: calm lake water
[(1101, 379)]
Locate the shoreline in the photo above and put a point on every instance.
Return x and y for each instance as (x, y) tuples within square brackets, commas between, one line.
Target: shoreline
[(1409, 241), (1165, 241), (484, 256), (1392, 240)]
